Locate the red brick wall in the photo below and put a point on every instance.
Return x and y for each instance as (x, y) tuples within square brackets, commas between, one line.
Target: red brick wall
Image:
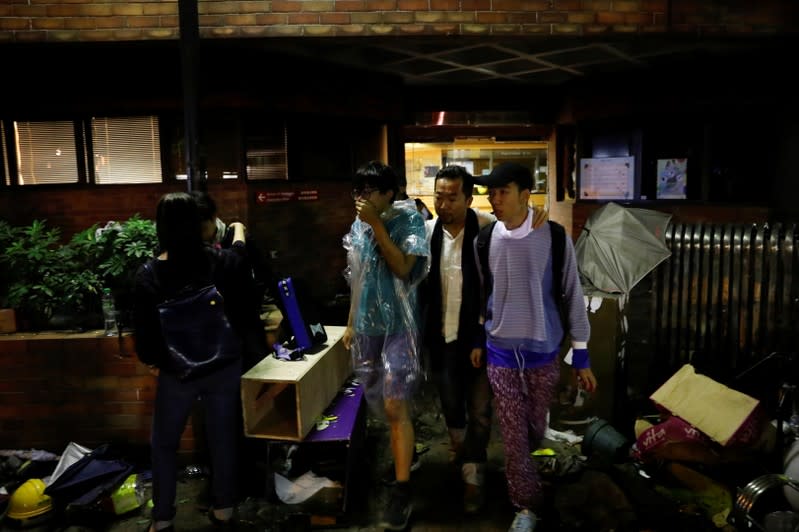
[(105, 20), (74, 210), (306, 234), (75, 388)]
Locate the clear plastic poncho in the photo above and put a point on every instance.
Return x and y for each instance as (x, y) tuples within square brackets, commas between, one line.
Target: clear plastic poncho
[(386, 313)]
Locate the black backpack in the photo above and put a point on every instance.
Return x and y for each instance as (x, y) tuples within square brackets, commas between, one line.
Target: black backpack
[(558, 249)]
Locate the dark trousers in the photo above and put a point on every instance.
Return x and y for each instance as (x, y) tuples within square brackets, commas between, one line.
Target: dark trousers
[(173, 403), (465, 395)]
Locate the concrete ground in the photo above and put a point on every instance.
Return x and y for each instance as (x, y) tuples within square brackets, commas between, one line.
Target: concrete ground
[(437, 492), (437, 488)]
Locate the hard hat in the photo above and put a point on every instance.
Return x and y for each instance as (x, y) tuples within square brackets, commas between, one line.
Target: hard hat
[(29, 500)]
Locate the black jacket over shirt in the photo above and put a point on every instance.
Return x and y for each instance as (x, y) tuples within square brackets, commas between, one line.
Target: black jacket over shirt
[(468, 322)]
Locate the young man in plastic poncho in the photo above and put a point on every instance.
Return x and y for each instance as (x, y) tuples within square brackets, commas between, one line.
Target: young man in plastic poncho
[(387, 257)]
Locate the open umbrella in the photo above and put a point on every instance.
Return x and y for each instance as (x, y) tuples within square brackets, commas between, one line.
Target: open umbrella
[(619, 246)]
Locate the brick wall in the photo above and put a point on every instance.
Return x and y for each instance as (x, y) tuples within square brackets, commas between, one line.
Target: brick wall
[(307, 234), (74, 210), (107, 20), (85, 388)]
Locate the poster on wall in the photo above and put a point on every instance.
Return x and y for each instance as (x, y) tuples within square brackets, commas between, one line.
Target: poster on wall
[(607, 178), (672, 176), (431, 170)]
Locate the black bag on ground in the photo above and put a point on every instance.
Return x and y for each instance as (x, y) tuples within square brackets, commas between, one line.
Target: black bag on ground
[(94, 475)]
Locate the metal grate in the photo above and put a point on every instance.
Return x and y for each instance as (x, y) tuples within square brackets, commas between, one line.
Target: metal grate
[(727, 296)]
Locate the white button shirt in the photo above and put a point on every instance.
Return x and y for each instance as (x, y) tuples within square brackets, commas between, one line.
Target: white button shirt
[(451, 274)]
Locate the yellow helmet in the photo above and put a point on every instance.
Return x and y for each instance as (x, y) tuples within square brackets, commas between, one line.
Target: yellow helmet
[(29, 500)]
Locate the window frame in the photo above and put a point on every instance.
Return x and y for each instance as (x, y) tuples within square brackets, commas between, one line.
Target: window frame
[(84, 152)]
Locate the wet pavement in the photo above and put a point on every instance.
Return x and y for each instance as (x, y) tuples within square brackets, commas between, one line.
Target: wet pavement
[(437, 491)]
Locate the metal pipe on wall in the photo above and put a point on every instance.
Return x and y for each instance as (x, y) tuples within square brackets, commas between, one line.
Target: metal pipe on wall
[(189, 58)]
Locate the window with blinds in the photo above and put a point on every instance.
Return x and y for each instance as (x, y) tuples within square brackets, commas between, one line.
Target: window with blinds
[(101, 151), (126, 150), (46, 152), (267, 155)]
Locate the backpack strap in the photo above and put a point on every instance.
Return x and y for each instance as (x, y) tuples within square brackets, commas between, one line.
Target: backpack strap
[(558, 250), (483, 245)]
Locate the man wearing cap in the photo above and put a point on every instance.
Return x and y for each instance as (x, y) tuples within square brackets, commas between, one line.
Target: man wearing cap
[(524, 329), (453, 333)]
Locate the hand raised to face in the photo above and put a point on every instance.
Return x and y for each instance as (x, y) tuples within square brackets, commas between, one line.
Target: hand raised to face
[(366, 211)]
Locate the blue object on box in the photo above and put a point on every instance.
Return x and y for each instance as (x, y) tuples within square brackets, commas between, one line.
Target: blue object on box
[(308, 332)]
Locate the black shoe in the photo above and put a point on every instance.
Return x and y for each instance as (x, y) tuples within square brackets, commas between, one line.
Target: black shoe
[(397, 512), (389, 477)]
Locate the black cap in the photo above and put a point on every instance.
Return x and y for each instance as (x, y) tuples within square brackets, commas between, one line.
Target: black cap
[(506, 173)]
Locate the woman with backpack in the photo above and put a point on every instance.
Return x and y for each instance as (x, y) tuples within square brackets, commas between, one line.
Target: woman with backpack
[(184, 265)]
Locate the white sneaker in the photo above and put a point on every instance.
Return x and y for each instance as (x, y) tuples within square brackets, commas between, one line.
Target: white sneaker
[(523, 522)]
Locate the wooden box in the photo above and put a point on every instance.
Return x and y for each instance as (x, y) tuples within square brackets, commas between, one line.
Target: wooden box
[(282, 399)]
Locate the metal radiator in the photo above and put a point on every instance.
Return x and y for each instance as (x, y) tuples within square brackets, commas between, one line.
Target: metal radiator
[(728, 295)]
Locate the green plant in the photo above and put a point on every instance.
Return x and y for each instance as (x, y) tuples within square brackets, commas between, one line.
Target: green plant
[(45, 277), (125, 246)]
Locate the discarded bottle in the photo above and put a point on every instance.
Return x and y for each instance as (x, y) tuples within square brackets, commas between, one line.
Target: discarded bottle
[(109, 313)]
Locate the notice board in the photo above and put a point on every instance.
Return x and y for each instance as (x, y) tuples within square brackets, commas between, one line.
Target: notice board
[(611, 178)]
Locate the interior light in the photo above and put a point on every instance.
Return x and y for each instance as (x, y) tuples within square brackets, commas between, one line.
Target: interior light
[(440, 121)]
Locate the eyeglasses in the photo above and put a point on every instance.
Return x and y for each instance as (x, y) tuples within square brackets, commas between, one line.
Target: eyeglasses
[(361, 192)]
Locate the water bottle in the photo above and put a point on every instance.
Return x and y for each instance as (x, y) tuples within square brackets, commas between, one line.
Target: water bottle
[(109, 313)]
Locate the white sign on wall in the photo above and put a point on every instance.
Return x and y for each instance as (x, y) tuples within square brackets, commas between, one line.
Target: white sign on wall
[(607, 178)]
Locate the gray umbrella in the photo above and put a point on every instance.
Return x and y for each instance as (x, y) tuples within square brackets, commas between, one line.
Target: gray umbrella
[(619, 246)]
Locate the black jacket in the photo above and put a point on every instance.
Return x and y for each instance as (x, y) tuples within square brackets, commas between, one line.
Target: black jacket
[(469, 334)]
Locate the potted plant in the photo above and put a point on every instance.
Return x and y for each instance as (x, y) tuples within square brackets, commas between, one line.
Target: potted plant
[(51, 285), (124, 247), (46, 278)]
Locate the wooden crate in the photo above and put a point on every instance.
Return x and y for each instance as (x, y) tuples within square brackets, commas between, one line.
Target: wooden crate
[(281, 399)]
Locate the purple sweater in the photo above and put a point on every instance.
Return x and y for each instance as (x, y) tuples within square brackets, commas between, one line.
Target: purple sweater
[(523, 326)]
